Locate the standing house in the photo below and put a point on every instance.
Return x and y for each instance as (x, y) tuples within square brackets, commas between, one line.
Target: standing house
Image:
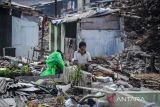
[(18, 30), (100, 29), (102, 33), (21, 30)]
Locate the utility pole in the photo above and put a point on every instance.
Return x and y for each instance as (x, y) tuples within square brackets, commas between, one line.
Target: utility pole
[(55, 8)]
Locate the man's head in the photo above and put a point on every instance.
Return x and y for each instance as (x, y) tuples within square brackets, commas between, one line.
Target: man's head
[(82, 47)]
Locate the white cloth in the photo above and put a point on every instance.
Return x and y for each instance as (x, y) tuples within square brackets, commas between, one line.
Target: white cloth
[(82, 59)]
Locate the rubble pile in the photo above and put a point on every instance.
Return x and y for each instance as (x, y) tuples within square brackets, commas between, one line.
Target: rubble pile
[(9, 94), (141, 18), (129, 63), (40, 93), (147, 80), (133, 62)]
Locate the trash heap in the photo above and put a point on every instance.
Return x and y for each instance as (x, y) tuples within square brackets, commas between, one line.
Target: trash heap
[(135, 68), (41, 93)]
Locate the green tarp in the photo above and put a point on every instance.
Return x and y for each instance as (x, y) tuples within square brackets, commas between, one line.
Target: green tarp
[(53, 62)]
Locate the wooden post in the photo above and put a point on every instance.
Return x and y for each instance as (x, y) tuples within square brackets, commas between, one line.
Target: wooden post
[(50, 36), (55, 37), (62, 37), (78, 35)]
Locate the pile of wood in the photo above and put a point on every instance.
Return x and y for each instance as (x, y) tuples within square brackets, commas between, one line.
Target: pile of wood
[(146, 80)]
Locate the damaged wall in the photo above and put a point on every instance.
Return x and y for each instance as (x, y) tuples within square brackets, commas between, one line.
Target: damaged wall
[(24, 37), (102, 42), (102, 35)]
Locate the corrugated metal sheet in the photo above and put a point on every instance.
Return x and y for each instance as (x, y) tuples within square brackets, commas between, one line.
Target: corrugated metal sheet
[(30, 2), (101, 0), (3, 103), (102, 42), (3, 86), (24, 37), (90, 13), (7, 102), (21, 5), (75, 17)]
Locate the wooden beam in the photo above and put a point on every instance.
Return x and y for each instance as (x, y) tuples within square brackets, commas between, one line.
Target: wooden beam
[(131, 16)]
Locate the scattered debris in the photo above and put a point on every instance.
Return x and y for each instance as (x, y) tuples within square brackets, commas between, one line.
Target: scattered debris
[(146, 80)]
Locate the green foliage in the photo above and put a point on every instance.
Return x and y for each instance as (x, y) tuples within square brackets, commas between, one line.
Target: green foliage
[(75, 76), (25, 70), (11, 71)]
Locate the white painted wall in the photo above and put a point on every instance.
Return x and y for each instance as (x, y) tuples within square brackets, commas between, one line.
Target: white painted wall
[(24, 37), (102, 42)]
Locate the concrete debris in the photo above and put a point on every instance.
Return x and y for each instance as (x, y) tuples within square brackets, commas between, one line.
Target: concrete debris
[(110, 86), (125, 84), (97, 84), (104, 79), (64, 87)]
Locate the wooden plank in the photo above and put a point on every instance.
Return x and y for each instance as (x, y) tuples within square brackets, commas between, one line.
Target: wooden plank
[(111, 72)]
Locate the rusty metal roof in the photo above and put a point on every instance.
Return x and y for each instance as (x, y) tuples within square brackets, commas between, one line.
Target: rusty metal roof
[(75, 17), (89, 13)]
